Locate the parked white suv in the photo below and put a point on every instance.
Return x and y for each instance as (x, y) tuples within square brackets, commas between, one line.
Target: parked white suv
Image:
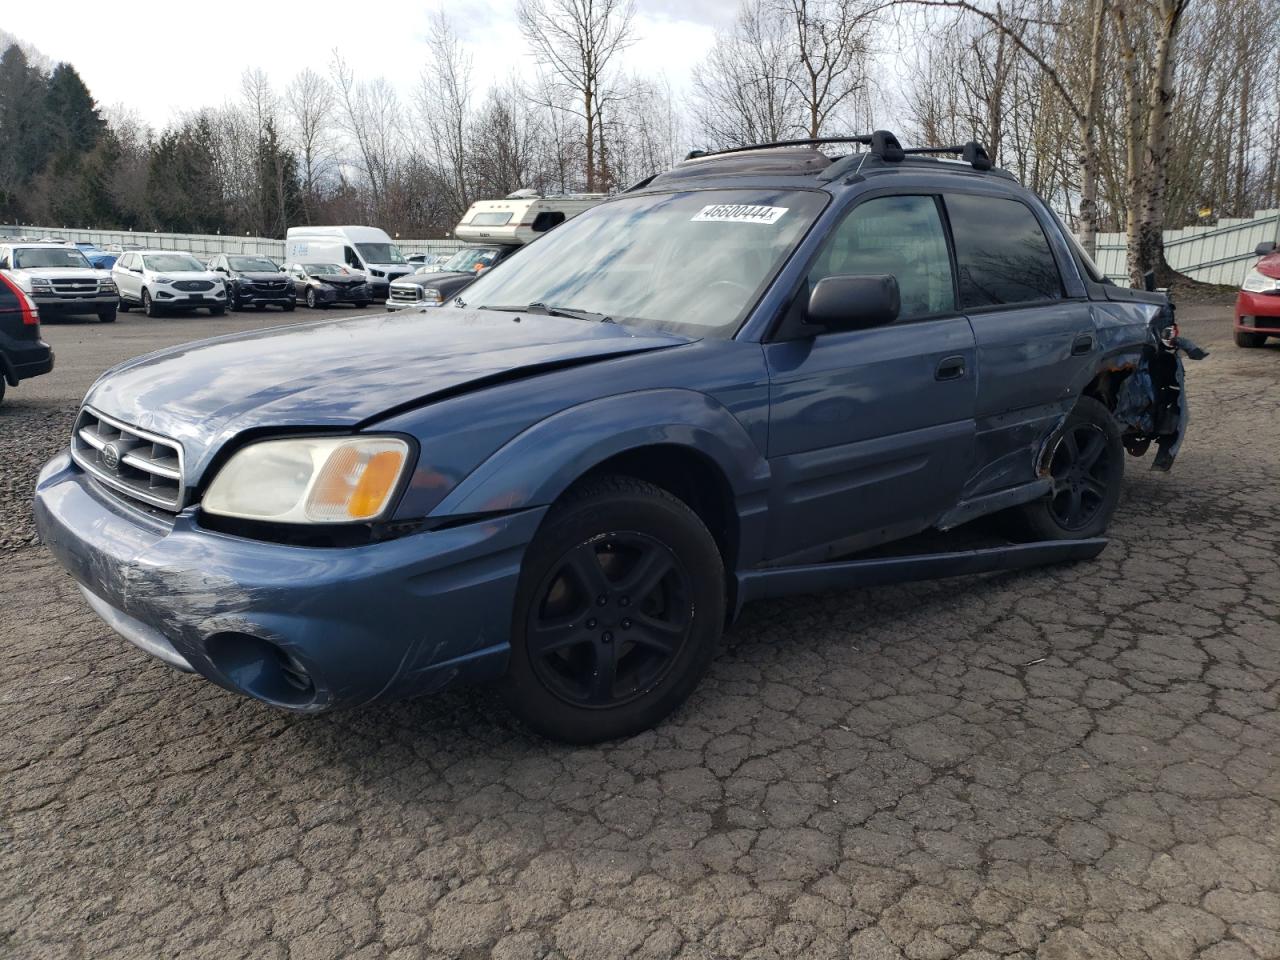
[(59, 279), (160, 281)]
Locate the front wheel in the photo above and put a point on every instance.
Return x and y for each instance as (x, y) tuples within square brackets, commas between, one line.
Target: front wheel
[(148, 305), (217, 311), (311, 299), (618, 612), (289, 305), (1249, 340), (124, 305), (1086, 466), (107, 316)]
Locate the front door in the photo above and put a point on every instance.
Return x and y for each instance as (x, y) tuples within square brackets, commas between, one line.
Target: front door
[(872, 431)]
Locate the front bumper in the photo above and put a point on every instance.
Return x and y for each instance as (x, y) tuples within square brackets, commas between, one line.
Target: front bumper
[(247, 297), (168, 296), (383, 620), (1257, 312), (49, 307)]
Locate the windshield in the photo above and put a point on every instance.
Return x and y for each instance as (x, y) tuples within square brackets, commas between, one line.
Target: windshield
[(253, 263), (380, 252), (312, 269), (468, 259), (691, 262), (172, 261), (49, 257)]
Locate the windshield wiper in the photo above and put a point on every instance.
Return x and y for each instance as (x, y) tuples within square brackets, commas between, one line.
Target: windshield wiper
[(541, 308)]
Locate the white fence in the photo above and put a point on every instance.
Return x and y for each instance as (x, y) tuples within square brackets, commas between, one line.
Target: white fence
[(200, 245), (1218, 252)]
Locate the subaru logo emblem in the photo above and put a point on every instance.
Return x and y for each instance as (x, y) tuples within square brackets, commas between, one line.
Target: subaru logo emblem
[(111, 457)]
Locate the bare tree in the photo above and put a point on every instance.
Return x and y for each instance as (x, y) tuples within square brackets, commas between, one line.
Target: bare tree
[(310, 101), (745, 92), (831, 39), (369, 112), (444, 102), (577, 41)]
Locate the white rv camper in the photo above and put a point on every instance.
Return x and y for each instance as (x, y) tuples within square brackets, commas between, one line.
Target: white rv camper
[(367, 249), (521, 216)]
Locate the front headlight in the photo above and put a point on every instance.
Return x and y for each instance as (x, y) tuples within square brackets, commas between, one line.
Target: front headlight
[(163, 280), (311, 480), (40, 283), (432, 295), (106, 286), (1256, 282)]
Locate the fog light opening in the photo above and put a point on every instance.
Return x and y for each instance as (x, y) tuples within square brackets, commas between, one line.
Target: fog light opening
[(261, 669)]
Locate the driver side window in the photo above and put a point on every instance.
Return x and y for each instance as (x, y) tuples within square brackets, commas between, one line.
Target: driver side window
[(352, 259), (902, 236)]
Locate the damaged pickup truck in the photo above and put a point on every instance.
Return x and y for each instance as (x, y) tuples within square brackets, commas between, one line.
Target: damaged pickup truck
[(759, 372)]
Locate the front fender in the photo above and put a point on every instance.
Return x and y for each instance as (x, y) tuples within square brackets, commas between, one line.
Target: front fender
[(540, 463)]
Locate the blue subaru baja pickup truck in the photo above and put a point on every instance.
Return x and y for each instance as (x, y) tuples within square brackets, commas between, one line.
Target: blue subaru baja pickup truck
[(739, 378)]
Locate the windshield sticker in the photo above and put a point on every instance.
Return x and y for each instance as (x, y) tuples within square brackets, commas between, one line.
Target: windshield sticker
[(738, 213)]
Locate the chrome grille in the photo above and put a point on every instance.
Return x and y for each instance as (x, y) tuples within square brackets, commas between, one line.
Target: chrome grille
[(130, 461), (192, 285), (75, 286), (404, 294)]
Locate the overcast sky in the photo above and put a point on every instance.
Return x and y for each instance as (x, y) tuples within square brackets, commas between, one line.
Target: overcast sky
[(162, 59)]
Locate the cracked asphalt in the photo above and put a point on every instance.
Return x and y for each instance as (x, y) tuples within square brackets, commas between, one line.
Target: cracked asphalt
[(1076, 762)]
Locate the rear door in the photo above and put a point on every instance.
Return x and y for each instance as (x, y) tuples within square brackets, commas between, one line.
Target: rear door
[(871, 431), (1034, 343)]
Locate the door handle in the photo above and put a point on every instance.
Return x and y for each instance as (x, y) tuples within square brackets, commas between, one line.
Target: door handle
[(949, 368), (1082, 345)]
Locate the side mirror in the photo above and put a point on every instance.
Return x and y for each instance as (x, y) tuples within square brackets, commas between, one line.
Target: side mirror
[(854, 303), (1264, 248)]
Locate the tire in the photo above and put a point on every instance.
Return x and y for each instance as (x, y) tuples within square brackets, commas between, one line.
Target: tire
[(217, 311), (289, 305), (107, 316), (148, 305), (3, 385), (578, 588), (362, 304), (311, 299), (1249, 340), (259, 307), (125, 306), (1087, 466)]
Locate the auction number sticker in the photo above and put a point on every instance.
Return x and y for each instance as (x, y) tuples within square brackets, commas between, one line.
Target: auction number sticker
[(738, 213)]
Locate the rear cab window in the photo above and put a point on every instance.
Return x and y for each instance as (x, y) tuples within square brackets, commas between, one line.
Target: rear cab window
[(1002, 254)]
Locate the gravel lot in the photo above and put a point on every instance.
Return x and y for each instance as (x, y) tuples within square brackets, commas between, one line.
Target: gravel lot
[(1079, 762)]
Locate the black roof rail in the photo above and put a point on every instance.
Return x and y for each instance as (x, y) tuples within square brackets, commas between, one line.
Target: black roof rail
[(883, 144), (972, 153)]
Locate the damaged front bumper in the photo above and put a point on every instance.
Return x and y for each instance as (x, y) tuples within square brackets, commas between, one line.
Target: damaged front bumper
[(303, 628)]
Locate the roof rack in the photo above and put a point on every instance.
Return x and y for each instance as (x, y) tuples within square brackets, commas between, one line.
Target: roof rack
[(883, 144), (972, 153)]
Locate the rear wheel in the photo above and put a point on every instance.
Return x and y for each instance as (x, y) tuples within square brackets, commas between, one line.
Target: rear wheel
[(1249, 340), (107, 316), (1086, 467), (618, 612), (148, 305)]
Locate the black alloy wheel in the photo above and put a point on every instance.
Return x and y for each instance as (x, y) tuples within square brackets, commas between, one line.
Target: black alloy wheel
[(618, 612), (612, 618), (1080, 469)]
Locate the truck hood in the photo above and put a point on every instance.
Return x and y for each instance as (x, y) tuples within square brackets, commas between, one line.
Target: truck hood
[(24, 275), (341, 373)]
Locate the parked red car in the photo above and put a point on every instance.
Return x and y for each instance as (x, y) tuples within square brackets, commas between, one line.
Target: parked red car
[(1258, 303)]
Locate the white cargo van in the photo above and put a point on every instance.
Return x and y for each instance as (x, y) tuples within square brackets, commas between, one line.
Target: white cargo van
[(367, 249), (521, 216)]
